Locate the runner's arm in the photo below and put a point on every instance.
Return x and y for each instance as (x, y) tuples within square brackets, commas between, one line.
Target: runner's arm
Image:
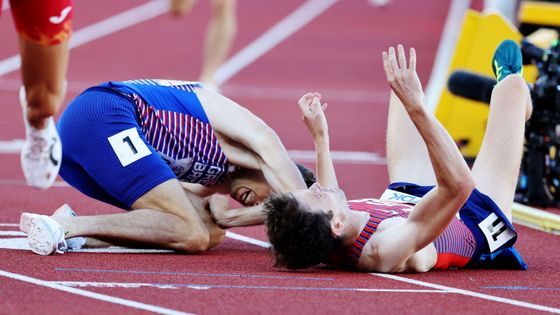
[(248, 216), (313, 116), (249, 142), (435, 211)]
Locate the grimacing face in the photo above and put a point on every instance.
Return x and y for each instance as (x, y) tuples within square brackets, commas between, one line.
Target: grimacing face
[(249, 187)]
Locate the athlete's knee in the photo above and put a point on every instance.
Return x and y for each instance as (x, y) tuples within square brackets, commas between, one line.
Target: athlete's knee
[(514, 87), (512, 84), (191, 239)]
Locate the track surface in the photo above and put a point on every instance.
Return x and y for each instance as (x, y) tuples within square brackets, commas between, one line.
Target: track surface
[(336, 53)]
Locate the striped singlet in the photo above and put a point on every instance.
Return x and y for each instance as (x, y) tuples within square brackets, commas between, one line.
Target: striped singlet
[(175, 124), (454, 247)]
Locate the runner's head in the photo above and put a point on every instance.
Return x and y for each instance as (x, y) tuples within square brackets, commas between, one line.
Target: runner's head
[(249, 187), (306, 226)]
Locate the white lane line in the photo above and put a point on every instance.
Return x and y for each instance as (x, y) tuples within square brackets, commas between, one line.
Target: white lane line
[(9, 224), (334, 96), (445, 288), (105, 27), (12, 233), (471, 293), (5, 5), (278, 33), (401, 290), (93, 295), (20, 243), (247, 239), (134, 285), (346, 157), (11, 146), (128, 285), (119, 22)]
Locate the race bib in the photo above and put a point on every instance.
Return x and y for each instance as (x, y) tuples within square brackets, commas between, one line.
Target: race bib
[(128, 146), (496, 231)]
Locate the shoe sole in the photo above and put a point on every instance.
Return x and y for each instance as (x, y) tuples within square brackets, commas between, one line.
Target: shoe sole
[(40, 237), (25, 221), (26, 217)]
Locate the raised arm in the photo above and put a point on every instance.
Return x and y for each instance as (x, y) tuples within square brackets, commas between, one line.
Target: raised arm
[(313, 115), (249, 142), (435, 211)]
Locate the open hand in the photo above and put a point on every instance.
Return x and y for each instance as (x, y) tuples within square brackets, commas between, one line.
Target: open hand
[(403, 78)]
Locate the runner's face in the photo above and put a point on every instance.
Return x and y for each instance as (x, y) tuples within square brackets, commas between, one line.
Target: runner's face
[(249, 188)]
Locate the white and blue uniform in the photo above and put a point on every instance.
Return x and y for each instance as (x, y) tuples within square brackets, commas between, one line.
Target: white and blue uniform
[(121, 139), (491, 239)]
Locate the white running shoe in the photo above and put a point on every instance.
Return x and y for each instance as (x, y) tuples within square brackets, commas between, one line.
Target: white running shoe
[(73, 243), (46, 236), (42, 152)]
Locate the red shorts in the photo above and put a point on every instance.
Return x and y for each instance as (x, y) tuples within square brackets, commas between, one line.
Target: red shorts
[(43, 22)]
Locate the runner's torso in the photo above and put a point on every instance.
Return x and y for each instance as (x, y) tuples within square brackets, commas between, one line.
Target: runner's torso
[(176, 126), (454, 247)]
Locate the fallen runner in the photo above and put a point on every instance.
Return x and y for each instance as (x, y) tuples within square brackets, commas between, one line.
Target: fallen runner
[(418, 230), (157, 147)]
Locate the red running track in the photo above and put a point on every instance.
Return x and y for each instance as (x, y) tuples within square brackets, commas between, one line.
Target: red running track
[(337, 54)]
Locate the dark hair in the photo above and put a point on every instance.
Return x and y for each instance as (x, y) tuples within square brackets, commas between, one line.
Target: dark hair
[(299, 238), (307, 174)]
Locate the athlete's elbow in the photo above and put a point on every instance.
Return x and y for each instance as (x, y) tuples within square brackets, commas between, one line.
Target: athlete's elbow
[(462, 186), (466, 184), (457, 182)]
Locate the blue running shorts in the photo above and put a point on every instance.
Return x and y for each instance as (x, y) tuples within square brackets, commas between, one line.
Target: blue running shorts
[(105, 154), (494, 233)]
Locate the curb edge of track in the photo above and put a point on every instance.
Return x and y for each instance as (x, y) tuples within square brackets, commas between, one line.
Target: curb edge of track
[(539, 219)]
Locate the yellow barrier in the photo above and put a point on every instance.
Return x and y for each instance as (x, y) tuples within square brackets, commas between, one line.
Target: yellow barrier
[(479, 36), (465, 119), (540, 13)]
